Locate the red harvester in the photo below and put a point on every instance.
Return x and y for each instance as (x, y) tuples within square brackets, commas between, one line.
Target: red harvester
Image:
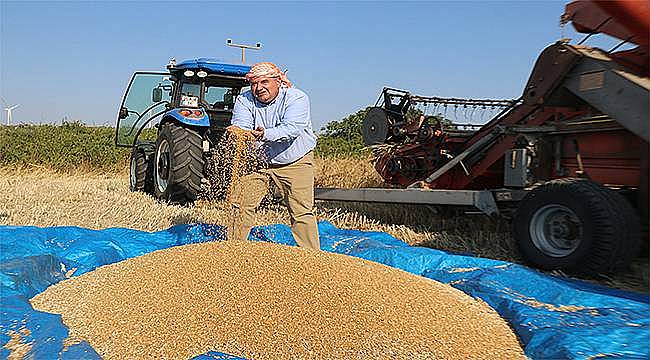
[(571, 154)]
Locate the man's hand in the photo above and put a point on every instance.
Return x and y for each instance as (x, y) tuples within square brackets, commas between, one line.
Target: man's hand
[(258, 133)]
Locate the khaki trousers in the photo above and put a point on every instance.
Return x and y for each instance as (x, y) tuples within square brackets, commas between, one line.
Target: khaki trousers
[(296, 182)]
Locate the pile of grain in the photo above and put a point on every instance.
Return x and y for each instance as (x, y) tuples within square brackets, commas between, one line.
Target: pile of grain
[(262, 300)]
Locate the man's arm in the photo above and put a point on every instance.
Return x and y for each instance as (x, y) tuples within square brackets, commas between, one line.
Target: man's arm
[(242, 113), (295, 118)]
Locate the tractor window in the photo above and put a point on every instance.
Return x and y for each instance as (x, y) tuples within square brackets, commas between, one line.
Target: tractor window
[(145, 100), (220, 98), (190, 94)]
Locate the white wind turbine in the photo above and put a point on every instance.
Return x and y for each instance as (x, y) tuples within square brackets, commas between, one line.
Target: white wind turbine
[(9, 109)]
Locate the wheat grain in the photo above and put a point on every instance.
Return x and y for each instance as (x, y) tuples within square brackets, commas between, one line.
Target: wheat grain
[(270, 301)]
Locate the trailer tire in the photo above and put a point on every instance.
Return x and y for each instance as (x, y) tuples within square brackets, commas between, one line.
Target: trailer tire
[(577, 226), (630, 246), (178, 164), (140, 172)]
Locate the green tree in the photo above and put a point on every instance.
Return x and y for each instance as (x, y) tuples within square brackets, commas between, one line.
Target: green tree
[(343, 137), (349, 127)]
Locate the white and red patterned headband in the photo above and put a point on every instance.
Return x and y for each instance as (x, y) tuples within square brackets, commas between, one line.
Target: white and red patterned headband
[(267, 70)]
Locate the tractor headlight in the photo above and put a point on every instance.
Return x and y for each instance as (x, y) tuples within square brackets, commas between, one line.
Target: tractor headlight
[(201, 74), (188, 73)]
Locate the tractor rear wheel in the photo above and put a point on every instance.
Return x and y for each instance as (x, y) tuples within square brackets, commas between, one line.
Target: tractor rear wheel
[(577, 226), (178, 164)]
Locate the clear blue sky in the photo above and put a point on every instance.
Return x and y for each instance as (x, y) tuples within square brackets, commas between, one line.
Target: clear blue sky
[(74, 59)]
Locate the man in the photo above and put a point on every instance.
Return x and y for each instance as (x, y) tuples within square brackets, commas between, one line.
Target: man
[(278, 115)]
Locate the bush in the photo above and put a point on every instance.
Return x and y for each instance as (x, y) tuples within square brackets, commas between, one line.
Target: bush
[(71, 145), (75, 145)]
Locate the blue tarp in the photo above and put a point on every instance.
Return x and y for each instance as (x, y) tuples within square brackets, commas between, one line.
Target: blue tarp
[(554, 317)]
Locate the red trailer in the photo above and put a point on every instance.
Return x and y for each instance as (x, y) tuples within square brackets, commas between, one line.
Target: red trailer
[(571, 154)]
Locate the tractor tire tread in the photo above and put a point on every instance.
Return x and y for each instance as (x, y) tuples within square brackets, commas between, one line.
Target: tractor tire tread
[(187, 166)]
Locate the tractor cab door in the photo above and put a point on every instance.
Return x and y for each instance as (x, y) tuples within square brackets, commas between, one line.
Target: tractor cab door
[(144, 101)]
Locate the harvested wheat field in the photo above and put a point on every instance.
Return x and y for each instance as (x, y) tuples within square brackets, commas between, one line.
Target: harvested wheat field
[(262, 300), (97, 201), (42, 197)]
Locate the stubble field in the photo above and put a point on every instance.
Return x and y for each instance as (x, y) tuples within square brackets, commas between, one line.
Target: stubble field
[(38, 196)]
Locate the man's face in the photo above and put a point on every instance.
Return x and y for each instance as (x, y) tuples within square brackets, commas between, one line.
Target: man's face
[(266, 89)]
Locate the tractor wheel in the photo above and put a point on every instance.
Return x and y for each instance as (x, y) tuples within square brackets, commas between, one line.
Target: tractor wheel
[(140, 172), (577, 226), (178, 164)]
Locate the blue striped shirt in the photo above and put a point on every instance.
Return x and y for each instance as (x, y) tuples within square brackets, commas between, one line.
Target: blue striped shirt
[(286, 120)]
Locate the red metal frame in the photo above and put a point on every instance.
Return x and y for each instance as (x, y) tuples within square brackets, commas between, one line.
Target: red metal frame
[(623, 19), (627, 20)]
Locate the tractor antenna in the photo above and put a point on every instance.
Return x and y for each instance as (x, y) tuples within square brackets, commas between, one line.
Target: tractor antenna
[(243, 48)]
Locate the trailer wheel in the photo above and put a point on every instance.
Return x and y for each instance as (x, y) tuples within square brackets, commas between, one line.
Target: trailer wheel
[(630, 246), (575, 225), (178, 164), (140, 172)]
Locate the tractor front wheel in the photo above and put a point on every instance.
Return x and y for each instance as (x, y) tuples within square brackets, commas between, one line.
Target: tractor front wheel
[(178, 164), (140, 171)]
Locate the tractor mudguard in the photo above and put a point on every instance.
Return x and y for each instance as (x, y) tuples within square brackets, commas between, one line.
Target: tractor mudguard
[(203, 121)]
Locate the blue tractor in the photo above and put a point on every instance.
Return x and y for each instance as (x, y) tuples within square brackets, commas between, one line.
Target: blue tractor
[(190, 105)]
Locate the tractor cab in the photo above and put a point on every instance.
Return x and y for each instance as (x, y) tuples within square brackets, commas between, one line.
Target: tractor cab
[(209, 87), (190, 105), (197, 93)]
